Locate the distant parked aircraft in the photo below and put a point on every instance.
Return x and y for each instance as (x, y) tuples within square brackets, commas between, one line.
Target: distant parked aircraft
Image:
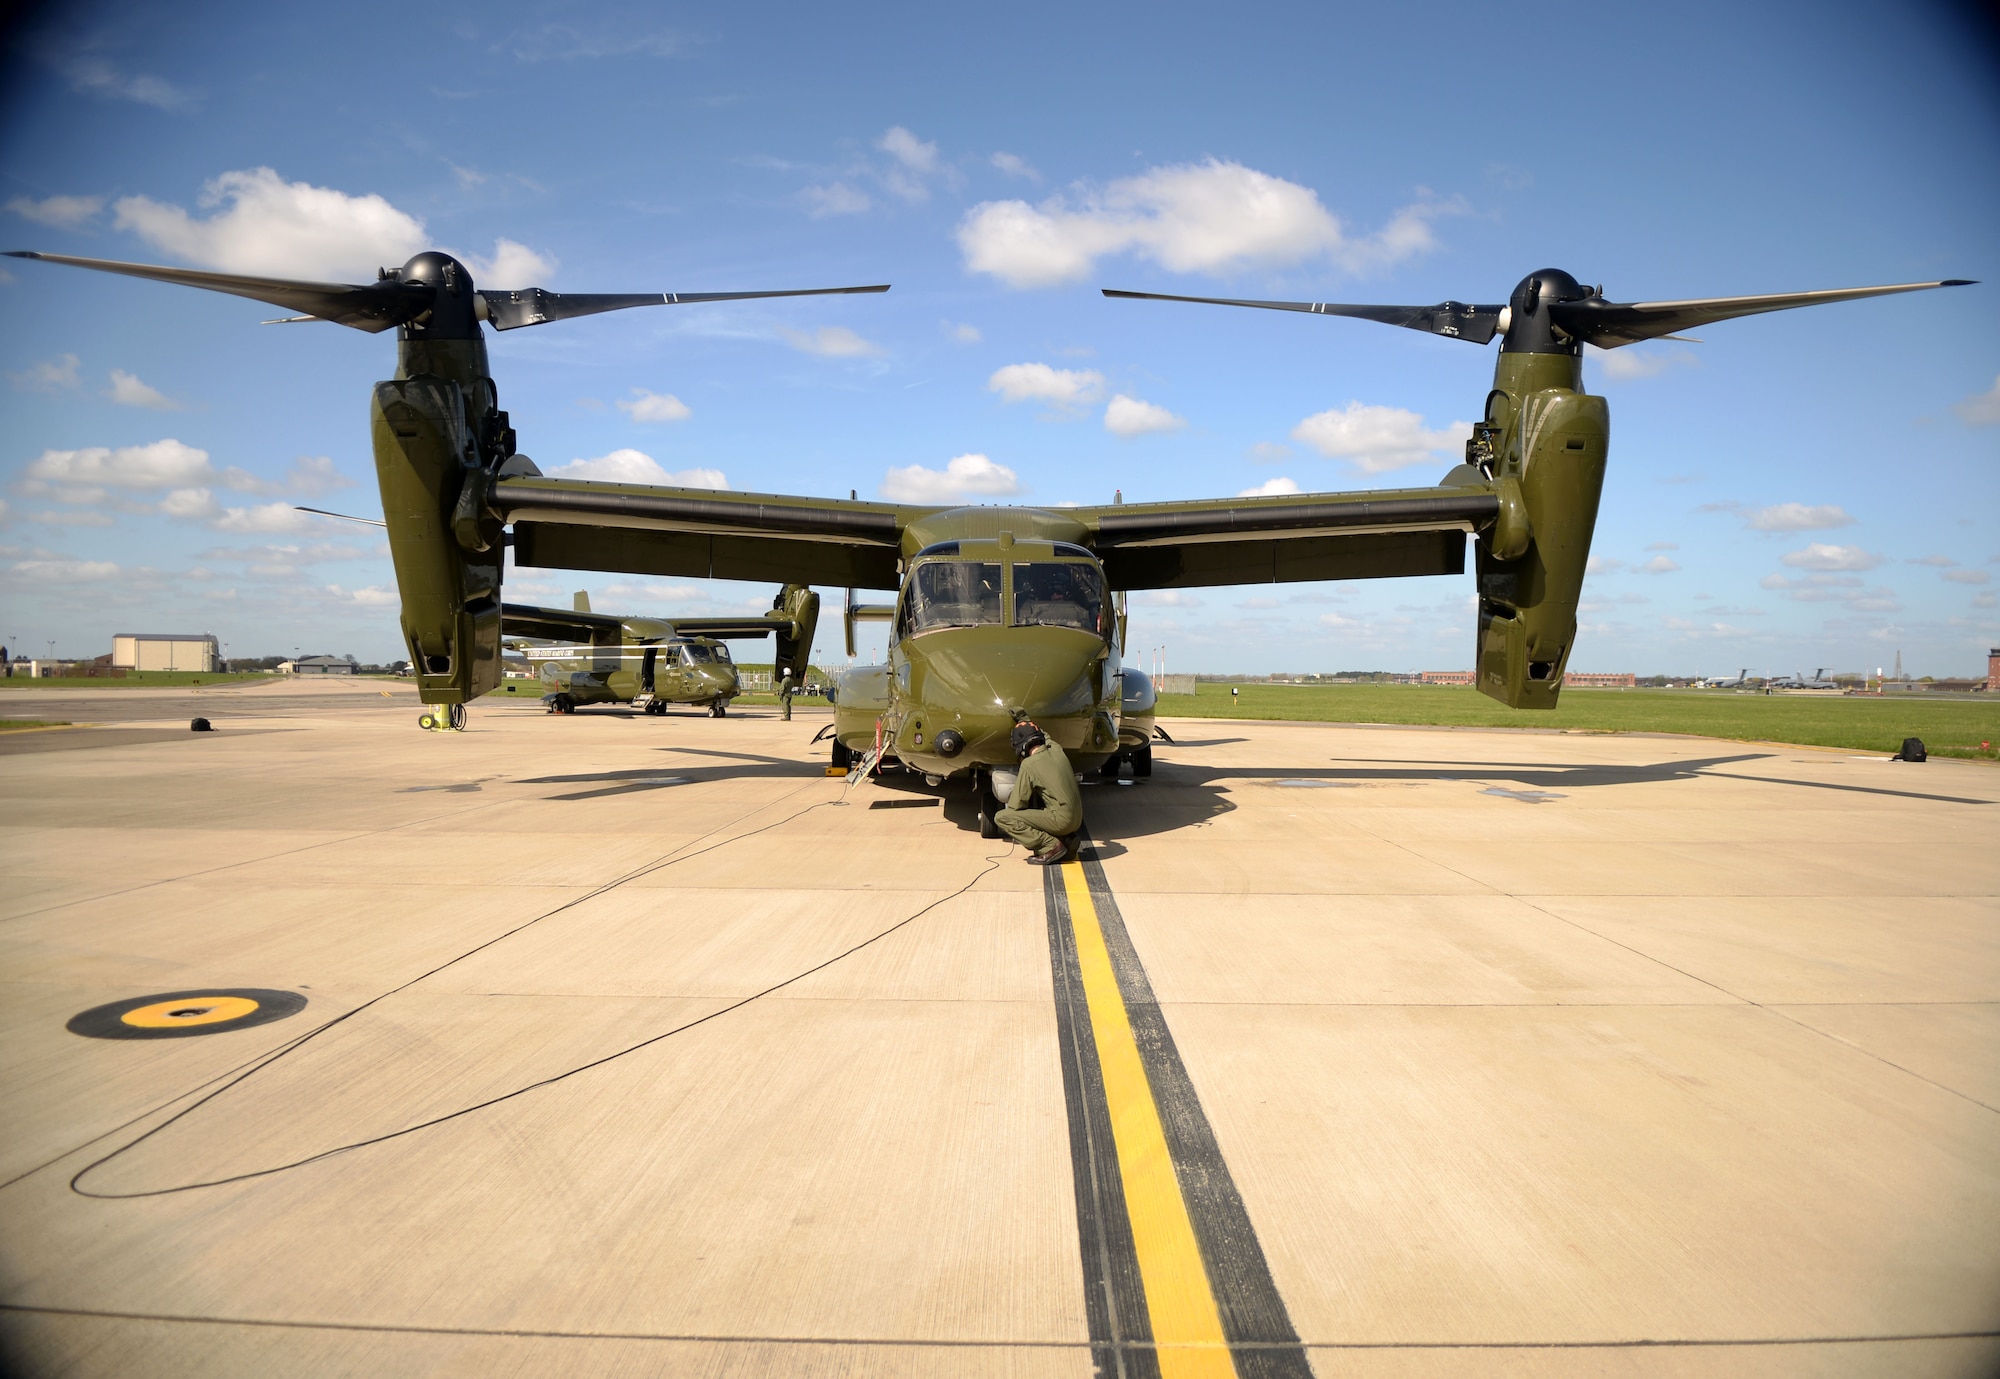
[(1730, 682), (1817, 681)]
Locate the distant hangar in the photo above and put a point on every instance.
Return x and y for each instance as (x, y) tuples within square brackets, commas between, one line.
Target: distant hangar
[(166, 651)]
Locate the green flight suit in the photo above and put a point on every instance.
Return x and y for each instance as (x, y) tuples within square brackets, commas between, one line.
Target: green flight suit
[(1047, 804)]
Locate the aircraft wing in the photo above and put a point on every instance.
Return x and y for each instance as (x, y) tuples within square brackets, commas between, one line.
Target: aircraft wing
[(559, 624), (1367, 535), (576, 524), (756, 625), (701, 533)]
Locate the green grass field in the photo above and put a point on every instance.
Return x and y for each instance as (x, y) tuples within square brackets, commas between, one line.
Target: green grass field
[(141, 679), (1949, 727), (22, 725)]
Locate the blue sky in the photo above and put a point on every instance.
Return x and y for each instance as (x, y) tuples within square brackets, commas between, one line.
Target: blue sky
[(1805, 489)]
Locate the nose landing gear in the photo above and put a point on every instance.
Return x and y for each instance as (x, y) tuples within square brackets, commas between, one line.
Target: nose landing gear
[(989, 805)]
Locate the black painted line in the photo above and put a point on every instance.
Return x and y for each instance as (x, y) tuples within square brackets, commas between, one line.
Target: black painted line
[(1253, 1312), (1114, 1296)]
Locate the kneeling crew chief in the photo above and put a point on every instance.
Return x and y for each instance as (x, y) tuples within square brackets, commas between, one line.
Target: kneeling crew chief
[(1045, 812)]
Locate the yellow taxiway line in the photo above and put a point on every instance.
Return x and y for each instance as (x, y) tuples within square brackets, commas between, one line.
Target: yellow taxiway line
[(1187, 1325)]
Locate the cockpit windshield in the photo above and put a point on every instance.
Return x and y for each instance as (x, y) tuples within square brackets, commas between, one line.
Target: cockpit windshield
[(695, 655), (952, 593), (1059, 594)]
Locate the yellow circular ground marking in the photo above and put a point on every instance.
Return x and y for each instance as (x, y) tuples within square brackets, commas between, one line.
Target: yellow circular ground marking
[(190, 1010), (186, 1014)]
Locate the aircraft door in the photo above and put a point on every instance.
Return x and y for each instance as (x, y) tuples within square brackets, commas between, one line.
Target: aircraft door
[(646, 664)]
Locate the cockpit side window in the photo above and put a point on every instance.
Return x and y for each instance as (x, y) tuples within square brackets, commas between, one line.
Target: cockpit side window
[(951, 593), (1059, 594)]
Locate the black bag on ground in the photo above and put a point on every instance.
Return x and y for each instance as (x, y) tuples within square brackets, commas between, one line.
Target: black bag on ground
[(1913, 750)]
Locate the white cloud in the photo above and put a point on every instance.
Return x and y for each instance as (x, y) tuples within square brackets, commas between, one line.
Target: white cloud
[(962, 477), (128, 391), (1834, 588), (1269, 451), (916, 161), (1602, 565), (162, 464), (65, 571), (50, 375), (190, 505), (1044, 383), (83, 518), (1941, 561), (1376, 439), (1659, 565), (266, 517), (261, 223), (1981, 409), (1166, 598), (1821, 556), (637, 467), (1270, 488), (59, 211), (834, 198), (1798, 517), (1664, 546), (907, 149), (961, 332), (831, 342), (511, 266), (312, 474), (375, 596), (651, 406), (1630, 362), (1128, 417), (1968, 576), (94, 76), (1211, 217), (1014, 165)]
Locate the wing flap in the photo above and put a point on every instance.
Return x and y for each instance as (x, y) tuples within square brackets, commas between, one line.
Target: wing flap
[(703, 555), (1289, 560)]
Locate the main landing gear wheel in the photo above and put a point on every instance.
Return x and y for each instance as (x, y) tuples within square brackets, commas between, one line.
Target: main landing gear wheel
[(718, 708), (842, 757), (1142, 762), (450, 719), (982, 791), (562, 703), (656, 709), (1109, 770)]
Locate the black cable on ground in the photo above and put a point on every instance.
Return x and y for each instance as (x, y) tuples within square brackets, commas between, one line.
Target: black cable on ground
[(259, 1065)]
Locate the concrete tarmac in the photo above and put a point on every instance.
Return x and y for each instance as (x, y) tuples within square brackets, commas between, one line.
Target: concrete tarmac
[(641, 1046)]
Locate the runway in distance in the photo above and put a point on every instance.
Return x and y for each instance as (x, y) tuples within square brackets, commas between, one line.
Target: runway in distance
[(1000, 613)]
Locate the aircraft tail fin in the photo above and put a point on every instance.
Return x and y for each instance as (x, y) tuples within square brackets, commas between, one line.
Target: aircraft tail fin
[(581, 604)]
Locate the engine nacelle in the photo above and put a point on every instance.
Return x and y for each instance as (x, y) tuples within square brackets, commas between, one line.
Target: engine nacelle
[(1550, 472), (447, 547)]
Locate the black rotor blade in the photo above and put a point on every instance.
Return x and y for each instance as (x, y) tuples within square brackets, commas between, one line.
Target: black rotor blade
[(1453, 319), (531, 306), (1608, 325), (374, 307)]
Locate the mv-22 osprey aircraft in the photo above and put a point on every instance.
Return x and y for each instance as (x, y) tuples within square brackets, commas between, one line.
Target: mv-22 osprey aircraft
[(1002, 613), (584, 657)]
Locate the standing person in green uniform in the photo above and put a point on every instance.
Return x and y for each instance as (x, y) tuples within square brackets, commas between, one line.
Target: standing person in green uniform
[(1045, 812)]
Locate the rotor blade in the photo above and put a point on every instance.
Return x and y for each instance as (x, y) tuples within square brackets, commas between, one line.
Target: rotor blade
[(1608, 325), (1453, 319), (322, 512), (375, 307), (531, 306)]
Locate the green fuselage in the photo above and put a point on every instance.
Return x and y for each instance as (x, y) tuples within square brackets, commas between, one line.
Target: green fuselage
[(985, 632), (685, 670)]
